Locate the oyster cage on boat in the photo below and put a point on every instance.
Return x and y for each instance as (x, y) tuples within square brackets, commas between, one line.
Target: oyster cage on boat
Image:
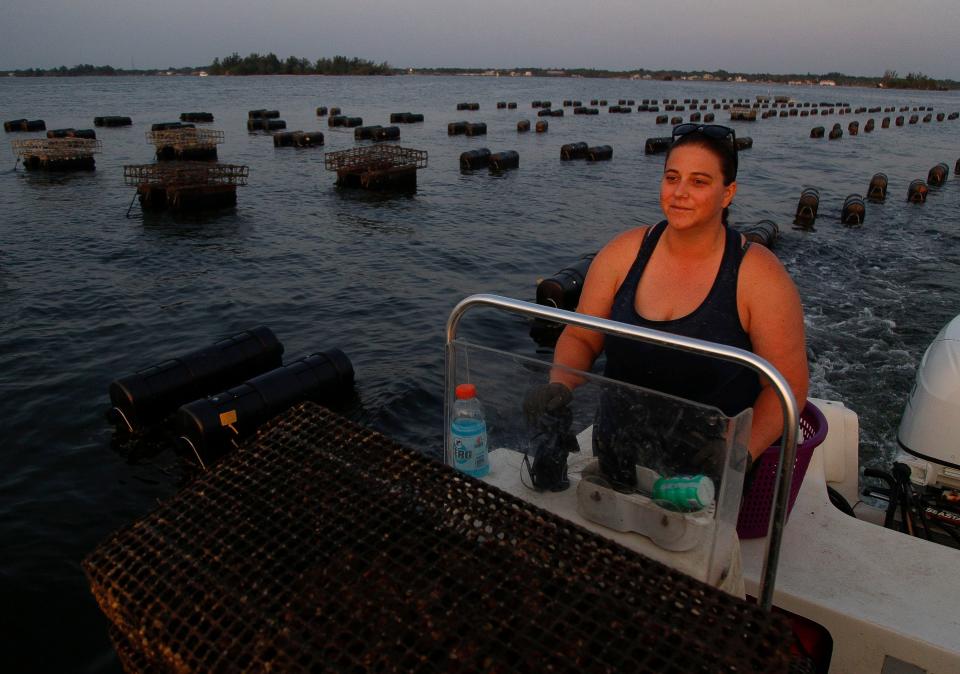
[(186, 185), (185, 143), (377, 167), (324, 546), (57, 154)]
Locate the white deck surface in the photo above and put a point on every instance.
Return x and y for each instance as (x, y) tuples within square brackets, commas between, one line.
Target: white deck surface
[(877, 591), (505, 474)]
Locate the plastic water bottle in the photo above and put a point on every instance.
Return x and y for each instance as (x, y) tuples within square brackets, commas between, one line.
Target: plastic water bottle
[(469, 433)]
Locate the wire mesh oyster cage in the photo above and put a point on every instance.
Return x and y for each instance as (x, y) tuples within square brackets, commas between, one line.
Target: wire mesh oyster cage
[(185, 137), (325, 546), (56, 148), (185, 173), (378, 167), (375, 157)]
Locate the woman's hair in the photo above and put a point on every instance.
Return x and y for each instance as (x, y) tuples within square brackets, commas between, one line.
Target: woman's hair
[(720, 148)]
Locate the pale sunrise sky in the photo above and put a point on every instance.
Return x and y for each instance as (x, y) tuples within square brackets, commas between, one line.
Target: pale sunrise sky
[(857, 37)]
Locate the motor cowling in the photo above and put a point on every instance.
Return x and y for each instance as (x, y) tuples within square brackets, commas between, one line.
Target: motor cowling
[(930, 426)]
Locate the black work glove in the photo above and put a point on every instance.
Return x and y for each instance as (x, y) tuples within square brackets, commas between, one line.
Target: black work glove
[(548, 414), (546, 398)]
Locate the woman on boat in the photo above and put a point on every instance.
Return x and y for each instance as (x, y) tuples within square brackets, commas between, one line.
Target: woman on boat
[(690, 275)]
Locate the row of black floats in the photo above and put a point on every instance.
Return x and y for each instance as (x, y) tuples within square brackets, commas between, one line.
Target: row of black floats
[(495, 161), (209, 400), (853, 211), (24, 125), (265, 120), (572, 151)]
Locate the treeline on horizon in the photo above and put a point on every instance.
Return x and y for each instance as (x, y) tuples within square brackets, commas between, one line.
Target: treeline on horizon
[(271, 64)]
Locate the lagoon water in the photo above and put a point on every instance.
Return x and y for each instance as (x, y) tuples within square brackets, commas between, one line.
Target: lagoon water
[(88, 294)]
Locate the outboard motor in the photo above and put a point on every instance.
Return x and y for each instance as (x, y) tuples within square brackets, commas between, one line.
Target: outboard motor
[(923, 486), (930, 425)]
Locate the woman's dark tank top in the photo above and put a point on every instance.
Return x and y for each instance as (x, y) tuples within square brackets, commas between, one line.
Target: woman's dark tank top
[(728, 386)]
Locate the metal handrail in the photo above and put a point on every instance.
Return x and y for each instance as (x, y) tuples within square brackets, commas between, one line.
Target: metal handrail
[(788, 404)]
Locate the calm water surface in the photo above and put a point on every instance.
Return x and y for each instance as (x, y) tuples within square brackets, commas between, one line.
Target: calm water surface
[(89, 295)]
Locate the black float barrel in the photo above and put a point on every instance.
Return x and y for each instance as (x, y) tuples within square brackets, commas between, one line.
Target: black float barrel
[(387, 133), (321, 111), (149, 395), (938, 175), (600, 153), (817, 132), (853, 127), (744, 143), (572, 151), (365, 132), (836, 132), (456, 128), (474, 159), (807, 208), (501, 161), (854, 211), (657, 145), (917, 191), (877, 191), (765, 233), (523, 125), (562, 290), (477, 129), (209, 425), (541, 126)]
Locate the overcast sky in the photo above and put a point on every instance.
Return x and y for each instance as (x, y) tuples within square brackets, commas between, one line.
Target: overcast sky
[(862, 37)]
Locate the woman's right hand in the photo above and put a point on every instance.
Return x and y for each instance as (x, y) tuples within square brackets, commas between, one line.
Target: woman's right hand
[(545, 399)]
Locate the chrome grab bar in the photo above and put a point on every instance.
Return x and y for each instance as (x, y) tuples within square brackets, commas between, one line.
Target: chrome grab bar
[(788, 445)]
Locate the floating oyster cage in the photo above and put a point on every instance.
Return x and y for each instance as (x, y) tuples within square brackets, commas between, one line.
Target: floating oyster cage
[(57, 154), (388, 167), (185, 143), (185, 137), (59, 149), (185, 173), (325, 546), (186, 185)]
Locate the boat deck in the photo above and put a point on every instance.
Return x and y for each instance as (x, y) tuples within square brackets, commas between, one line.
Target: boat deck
[(884, 596)]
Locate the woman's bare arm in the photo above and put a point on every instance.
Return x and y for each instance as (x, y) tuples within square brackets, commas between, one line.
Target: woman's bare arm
[(577, 347), (773, 317)]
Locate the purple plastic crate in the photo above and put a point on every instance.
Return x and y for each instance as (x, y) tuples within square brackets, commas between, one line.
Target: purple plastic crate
[(758, 500)]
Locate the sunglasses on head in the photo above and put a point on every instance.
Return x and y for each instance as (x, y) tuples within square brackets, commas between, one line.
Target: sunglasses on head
[(715, 131)]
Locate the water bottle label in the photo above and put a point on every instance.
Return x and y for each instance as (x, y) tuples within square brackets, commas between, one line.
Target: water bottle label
[(470, 446)]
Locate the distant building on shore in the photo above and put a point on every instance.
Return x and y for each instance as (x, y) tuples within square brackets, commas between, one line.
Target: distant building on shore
[(827, 83)]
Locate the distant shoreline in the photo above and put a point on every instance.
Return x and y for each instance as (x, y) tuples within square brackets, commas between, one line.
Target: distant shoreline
[(912, 82)]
